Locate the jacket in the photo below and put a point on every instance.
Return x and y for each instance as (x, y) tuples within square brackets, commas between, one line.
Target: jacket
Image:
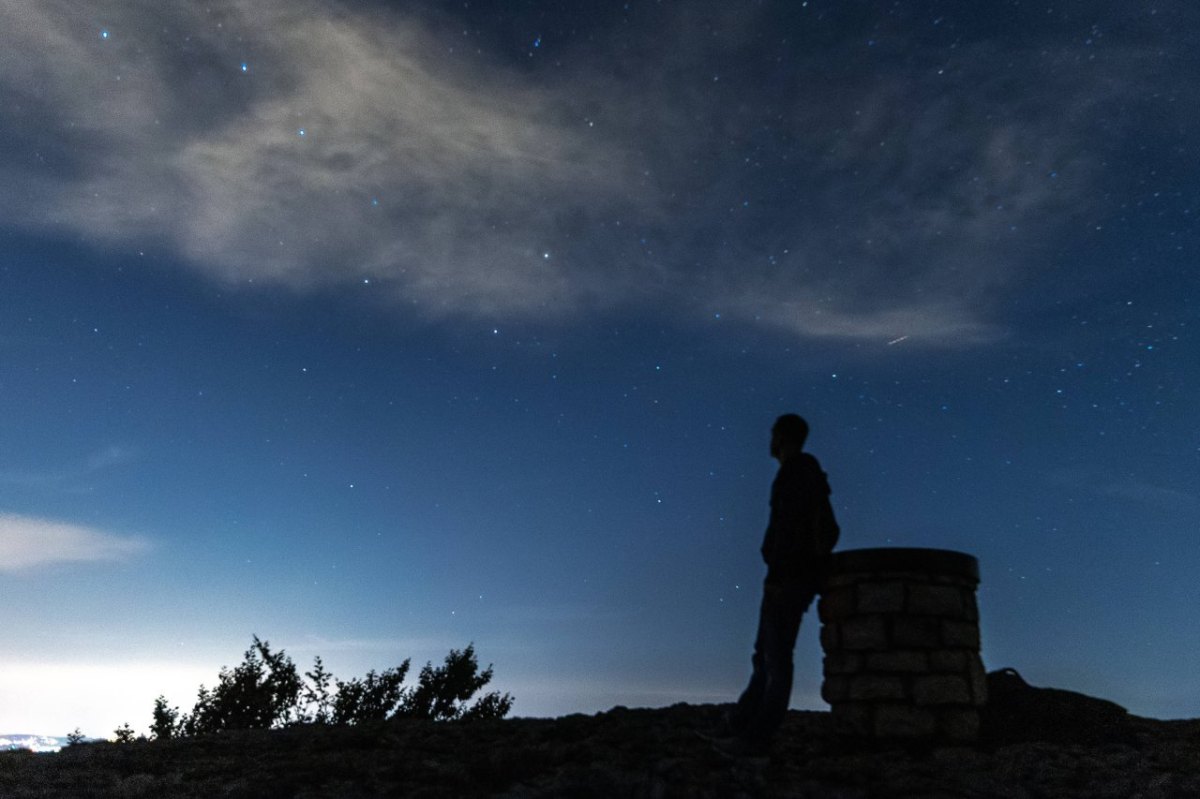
[(802, 530)]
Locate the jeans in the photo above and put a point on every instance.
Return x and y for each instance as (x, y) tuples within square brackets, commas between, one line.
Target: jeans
[(762, 706)]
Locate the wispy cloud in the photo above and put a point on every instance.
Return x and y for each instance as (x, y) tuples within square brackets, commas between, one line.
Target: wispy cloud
[(70, 476), (321, 645), (27, 543), (1150, 494), (1159, 496), (306, 146)]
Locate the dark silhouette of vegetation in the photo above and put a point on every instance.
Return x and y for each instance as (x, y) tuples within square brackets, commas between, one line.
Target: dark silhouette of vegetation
[(316, 694), (443, 693), (124, 734), (166, 724), (262, 692), (75, 737), (267, 691), (373, 698)]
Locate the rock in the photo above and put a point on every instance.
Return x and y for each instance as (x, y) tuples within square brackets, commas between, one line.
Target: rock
[(1018, 712)]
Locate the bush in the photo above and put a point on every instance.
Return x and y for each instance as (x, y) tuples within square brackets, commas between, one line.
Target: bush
[(266, 691), (374, 698), (260, 693), (442, 693), (316, 696), (166, 724)]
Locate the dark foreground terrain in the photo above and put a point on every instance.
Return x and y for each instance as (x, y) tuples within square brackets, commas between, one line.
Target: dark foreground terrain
[(638, 753)]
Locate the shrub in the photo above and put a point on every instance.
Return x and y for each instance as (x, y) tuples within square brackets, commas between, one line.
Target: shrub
[(374, 698), (165, 724), (265, 691), (443, 693), (262, 692), (316, 696)]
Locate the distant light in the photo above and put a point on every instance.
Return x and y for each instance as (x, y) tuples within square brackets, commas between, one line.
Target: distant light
[(537, 42), (374, 201), (104, 34), (245, 67), (300, 132)]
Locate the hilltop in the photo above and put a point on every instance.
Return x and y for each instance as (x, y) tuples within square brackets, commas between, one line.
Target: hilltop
[(622, 752)]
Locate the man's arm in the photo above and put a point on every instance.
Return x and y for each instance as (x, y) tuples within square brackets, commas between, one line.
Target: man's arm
[(783, 542)]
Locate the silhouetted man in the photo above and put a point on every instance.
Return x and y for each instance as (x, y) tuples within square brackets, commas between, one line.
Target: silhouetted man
[(800, 535)]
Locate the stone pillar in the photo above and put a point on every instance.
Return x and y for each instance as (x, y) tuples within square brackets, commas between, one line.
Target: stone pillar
[(900, 630)]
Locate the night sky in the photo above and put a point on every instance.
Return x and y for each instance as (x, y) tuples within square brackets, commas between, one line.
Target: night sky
[(377, 329)]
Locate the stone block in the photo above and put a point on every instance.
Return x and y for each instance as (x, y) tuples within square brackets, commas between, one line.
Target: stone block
[(970, 607), (853, 717), (864, 633), (880, 597), (831, 640), (959, 725), (900, 660), (935, 600), (908, 578), (836, 604), (950, 660), (960, 635), (904, 721), (842, 579), (949, 579), (835, 689), (941, 689), (916, 632), (978, 679), (842, 663), (871, 687)]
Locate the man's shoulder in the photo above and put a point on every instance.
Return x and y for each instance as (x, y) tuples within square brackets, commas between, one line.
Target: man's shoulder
[(802, 473), (803, 465), (809, 461)]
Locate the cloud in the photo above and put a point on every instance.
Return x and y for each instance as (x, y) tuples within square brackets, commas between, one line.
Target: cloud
[(321, 645), (1158, 496), (27, 543), (69, 477), (346, 151), (315, 148)]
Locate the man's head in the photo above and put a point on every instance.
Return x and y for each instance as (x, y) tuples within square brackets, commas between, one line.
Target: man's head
[(788, 435)]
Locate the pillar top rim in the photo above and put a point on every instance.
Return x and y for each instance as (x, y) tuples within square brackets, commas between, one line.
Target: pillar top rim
[(947, 562)]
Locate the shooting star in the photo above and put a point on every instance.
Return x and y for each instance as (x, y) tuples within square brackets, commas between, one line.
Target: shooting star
[(896, 340)]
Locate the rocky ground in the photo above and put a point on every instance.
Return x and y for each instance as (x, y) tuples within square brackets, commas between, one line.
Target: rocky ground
[(635, 753)]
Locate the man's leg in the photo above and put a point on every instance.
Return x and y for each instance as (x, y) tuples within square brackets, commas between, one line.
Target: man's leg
[(771, 684), (749, 702)]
